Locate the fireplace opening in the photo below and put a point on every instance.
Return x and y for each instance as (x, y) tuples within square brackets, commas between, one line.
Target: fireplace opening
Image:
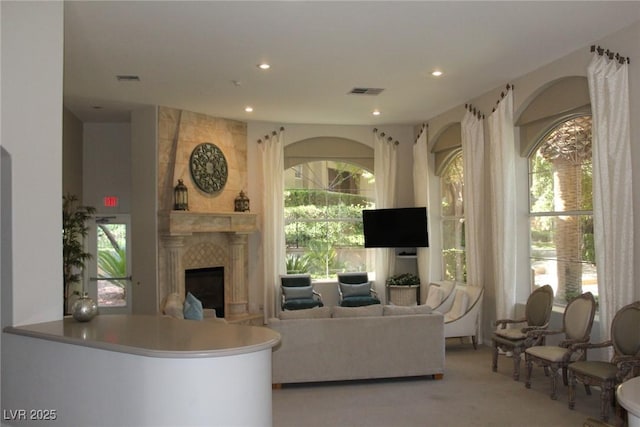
[(207, 284)]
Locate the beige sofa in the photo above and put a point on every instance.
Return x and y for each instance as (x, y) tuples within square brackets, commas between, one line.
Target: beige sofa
[(350, 348)]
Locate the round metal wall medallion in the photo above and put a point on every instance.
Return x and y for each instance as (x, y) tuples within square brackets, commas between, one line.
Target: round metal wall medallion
[(208, 167)]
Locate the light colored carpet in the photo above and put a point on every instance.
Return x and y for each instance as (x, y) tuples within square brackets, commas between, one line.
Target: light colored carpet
[(470, 394)]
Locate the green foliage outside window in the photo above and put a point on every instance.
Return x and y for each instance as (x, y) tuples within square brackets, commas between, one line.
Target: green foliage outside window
[(453, 231), (323, 218), (338, 225)]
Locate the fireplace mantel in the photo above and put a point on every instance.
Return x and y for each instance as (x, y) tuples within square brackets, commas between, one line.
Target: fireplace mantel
[(185, 222)]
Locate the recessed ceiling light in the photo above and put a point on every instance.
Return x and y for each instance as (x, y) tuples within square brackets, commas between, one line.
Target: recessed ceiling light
[(264, 66), (376, 112), (248, 109), (436, 73)]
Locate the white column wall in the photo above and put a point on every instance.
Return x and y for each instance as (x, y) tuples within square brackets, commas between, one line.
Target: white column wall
[(32, 75)]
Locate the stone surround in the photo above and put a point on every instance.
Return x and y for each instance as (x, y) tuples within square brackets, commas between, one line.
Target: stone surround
[(199, 240), (210, 233)]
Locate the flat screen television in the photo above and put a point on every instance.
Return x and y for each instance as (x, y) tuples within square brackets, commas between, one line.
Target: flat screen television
[(395, 228)]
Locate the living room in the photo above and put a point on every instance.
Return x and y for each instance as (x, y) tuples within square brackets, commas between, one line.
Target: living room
[(33, 87)]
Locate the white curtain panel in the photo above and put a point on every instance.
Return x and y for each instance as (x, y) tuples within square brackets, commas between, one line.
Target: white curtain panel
[(385, 169), (503, 204), (473, 196), (473, 160), (421, 173), (612, 186), (273, 241)]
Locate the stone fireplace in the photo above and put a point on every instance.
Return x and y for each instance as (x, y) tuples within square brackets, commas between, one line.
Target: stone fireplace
[(210, 234), (203, 240)]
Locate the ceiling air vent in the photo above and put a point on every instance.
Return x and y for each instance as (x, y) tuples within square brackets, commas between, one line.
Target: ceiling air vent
[(128, 78), (365, 91)]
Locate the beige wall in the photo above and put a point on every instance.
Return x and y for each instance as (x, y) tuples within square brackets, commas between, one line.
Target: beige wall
[(107, 166), (144, 203), (71, 155)]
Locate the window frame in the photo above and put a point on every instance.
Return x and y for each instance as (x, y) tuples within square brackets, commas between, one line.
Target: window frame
[(460, 276), (556, 124), (329, 164)]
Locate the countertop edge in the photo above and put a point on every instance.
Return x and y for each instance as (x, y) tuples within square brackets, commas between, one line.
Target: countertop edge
[(126, 349)]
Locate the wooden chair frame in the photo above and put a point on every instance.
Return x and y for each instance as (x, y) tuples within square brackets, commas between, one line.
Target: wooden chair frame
[(564, 347)]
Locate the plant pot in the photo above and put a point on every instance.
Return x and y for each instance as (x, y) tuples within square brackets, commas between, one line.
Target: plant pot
[(84, 309), (403, 294)]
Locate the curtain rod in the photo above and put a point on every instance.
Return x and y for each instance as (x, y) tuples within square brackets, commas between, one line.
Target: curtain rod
[(424, 128), (266, 137), (503, 94), (476, 112), (621, 59), (382, 134)]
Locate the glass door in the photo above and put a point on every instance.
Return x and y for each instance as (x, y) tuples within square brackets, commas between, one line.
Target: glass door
[(109, 270)]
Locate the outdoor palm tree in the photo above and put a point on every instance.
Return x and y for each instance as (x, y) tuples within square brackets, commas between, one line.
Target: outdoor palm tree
[(568, 149)]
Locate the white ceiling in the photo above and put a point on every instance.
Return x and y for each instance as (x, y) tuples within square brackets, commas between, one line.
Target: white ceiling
[(188, 54)]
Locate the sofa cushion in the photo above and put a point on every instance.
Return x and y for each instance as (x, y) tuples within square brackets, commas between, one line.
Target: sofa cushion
[(400, 310), (301, 304), (434, 298), (173, 306), (193, 308), (309, 313), (297, 292), (359, 290), (364, 311)]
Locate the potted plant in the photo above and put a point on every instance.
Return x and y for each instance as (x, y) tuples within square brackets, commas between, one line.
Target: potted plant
[(74, 257), (405, 279), (403, 289)]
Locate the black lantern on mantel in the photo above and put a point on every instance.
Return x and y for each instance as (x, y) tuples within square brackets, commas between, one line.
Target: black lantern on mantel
[(180, 197), (241, 203)]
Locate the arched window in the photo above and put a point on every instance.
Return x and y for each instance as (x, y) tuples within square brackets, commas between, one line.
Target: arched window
[(323, 217), (452, 211), (562, 252)]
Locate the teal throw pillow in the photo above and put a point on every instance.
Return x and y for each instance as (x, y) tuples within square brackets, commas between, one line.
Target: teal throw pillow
[(192, 308), (359, 290), (297, 292)]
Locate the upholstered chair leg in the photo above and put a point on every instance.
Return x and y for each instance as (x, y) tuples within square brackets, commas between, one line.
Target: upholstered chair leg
[(474, 341), (554, 384), (564, 376), (587, 389), (605, 401), (494, 362), (516, 363), (529, 363), (572, 390)]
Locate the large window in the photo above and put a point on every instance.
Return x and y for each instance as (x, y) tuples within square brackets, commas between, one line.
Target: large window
[(452, 210), (323, 218), (560, 206)]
